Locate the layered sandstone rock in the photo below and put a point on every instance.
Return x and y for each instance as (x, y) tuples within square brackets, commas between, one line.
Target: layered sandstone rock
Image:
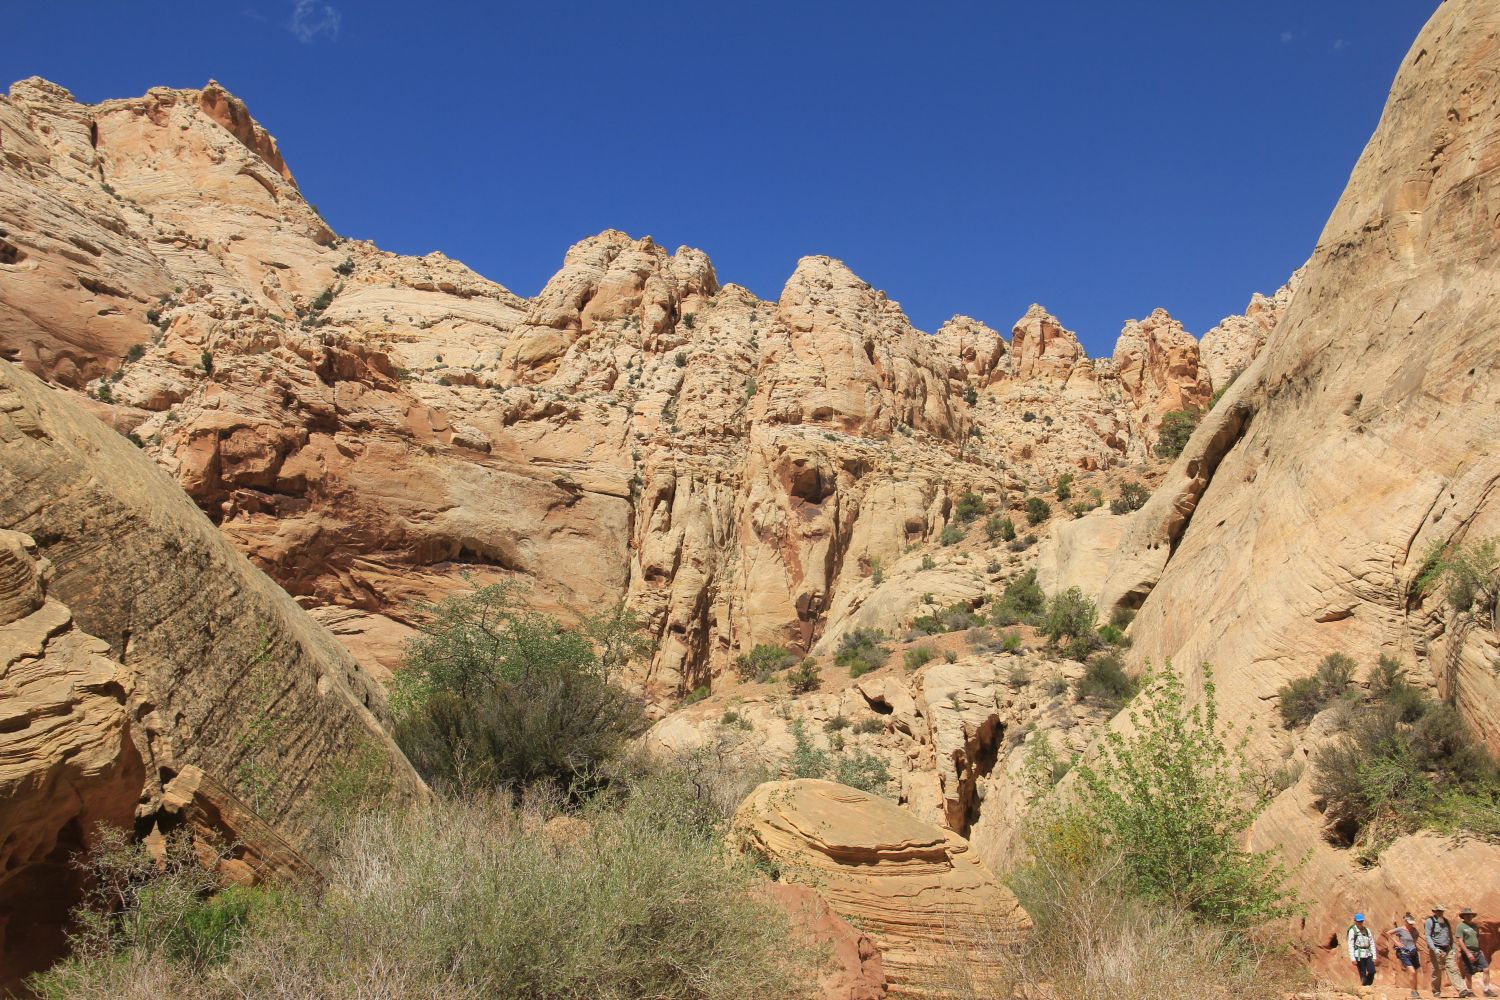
[(233, 676), (1228, 348), (68, 762), (853, 969), (1362, 437), (1157, 362), (917, 889)]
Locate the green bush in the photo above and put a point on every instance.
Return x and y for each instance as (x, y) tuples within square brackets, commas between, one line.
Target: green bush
[(1299, 701), (1133, 496), (762, 661), (135, 353), (696, 695), (1169, 800), (999, 529), (1064, 490), (1404, 763), (1037, 510), (1105, 681), (1177, 427), (863, 770), (1471, 576), (971, 395), (861, 651), (952, 535), (1113, 635), (807, 761), (1305, 697), (1011, 643), (971, 506), (494, 694), (1071, 616), (917, 656), (928, 562), (1021, 601), (804, 677)]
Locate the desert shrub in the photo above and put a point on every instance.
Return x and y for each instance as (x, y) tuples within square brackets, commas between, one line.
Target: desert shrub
[(1037, 510), (135, 353), (971, 395), (635, 899), (877, 573), (1011, 643), (696, 695), (1105, 681), (954, 618), (680, 359), (690, 320), (950, 656), (494, 693), (863, 770), (1299, 700), (1079, 509), (1095, 940), (806, 761), (1133, 496), (869, 724), (1121, 618), (762, 661), (323, 301), (999, 529), (971, 506), (1168, 797), (952, 535), (1022, 544), (917, 656), (1305, 697), (1177, 427), (1113, 635), (928, 562), (861, 651), (804, 677), (1388, 679), (1064, 489), (1403, 763), (1028, 417), (1471, 577), (1021, 601), (1070, 616)]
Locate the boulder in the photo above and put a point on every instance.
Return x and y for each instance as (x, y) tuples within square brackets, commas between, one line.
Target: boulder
[(915, 888)]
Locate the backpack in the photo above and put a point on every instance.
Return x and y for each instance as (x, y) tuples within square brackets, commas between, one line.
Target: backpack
[(1362, 941), (1431, 924)]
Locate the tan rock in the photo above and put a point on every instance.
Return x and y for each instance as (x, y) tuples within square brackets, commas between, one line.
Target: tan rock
[(912, 886), (853, 969), (1157, 362), (67, 759), (1228, 348), (1363, 433)]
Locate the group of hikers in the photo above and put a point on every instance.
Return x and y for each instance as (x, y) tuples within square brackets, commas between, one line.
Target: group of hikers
[(1451, 949)]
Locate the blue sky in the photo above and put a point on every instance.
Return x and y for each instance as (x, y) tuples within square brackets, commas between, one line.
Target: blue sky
[(1102, 158)]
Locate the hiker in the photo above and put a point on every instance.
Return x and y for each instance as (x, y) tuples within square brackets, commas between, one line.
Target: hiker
[(1362, 950), (1439, 935), (1402, 938), (1470, 959)]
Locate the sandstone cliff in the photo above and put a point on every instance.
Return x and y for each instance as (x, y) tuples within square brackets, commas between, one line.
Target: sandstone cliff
[(1302, 512), (135, 643), (369, 427)]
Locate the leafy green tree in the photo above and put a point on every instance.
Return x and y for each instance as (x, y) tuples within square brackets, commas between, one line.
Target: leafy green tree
[(1133, 496), (1176, 427), (1065, 487), (1037, 510), (970, 507), (999, 529), (1169, 795), (1071, 616)]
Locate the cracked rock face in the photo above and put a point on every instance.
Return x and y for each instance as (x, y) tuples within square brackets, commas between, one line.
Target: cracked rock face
[(368, 428)]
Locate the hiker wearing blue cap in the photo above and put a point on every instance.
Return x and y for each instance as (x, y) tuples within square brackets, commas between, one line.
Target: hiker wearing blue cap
[(1362, 950)]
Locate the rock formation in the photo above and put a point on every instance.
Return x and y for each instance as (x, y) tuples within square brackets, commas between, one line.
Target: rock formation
[(136, 646), (916, 888), (1358, 442), (368, 428)]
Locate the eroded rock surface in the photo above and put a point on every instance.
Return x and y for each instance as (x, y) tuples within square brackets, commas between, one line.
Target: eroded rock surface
[(368, 428), (917, 889)]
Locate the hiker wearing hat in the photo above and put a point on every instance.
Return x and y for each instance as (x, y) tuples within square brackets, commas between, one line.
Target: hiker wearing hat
[(1362, 950), (1470, 959), (1402, 938), (1439, 935)]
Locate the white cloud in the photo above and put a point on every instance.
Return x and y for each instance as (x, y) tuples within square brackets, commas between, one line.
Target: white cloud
[(1339, 45), (311, 18), (1287, 37)]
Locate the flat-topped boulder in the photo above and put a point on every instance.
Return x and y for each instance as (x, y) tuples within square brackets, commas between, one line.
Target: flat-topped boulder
[(915, 888)]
